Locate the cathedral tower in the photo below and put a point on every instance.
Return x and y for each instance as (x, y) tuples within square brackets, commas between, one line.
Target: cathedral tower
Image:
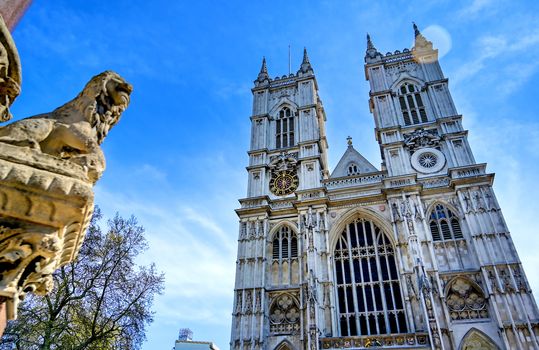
[(415, 255)]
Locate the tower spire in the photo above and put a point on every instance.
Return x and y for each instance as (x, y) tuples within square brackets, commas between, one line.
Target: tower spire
[(370, 45), (371, 52), (263, 75), (305, 63)]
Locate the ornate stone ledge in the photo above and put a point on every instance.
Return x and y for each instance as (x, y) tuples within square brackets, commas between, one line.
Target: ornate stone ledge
[(354, 181), (393, 341)]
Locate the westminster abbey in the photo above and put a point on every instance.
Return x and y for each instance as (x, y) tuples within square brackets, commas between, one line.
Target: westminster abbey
[(412, 255)]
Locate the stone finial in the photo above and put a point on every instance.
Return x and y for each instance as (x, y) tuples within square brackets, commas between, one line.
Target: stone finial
[(349, 141), (371, 54), (306, 67), (263, 75)]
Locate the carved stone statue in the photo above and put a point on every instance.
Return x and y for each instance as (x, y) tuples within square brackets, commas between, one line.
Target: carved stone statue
[(75, 130), (48, 166)]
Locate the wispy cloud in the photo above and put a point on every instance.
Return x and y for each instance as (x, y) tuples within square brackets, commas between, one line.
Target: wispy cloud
[(492, 47), (193, 248), (477, 7)]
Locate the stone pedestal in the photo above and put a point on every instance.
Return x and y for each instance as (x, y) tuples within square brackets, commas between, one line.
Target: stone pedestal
[(45, 206)]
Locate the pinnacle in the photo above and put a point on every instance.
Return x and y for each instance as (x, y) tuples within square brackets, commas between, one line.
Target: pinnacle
[(416, 30), (305, 56), (263, 75), (370, 45), (264, 68), (305, 64)]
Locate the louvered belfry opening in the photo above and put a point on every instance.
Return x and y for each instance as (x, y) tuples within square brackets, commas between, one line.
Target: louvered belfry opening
[(444, 225)]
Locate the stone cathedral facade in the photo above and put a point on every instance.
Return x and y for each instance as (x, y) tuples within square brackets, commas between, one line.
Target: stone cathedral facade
[(414, 255)]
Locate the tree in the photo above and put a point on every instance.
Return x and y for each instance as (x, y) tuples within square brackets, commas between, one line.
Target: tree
[(102, 300)]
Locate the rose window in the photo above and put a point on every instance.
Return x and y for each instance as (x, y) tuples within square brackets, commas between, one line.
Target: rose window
[(427, 160)]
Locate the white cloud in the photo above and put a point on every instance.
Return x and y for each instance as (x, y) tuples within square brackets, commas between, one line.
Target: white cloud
[(475, 8), (492, 47)]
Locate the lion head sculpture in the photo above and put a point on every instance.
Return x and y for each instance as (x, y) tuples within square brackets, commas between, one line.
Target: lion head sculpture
[(101, 102)]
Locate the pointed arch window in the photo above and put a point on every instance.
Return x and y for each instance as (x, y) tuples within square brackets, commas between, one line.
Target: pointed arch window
[(284, 129), (368, 288), (411, 103), (444, 225), (285, 261), (285, 244)]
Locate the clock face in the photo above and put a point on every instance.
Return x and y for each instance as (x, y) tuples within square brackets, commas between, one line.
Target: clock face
[(283, 182)]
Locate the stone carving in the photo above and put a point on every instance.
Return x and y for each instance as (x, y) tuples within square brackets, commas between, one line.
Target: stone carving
[(479, 201), (411, 288), (10, 72), (421, 138), (248, 302), (284, 315), (48, 165), (519, 279), (406, 209), (493, 282), (465, 301), (491, 205), (395, 211), (506, 280), (75, 130), (477, 341), (238, 302), (467, 202)]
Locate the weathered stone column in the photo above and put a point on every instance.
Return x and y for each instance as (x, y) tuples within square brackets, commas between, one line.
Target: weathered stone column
[(48, 166)]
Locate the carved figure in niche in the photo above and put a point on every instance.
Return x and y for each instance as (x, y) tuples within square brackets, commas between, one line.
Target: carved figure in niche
[(507, 283), (490, 202), (521, 285), (395, 210), (417, 212), (405, 208), (75, 130), (411, 288), (248, 302), (468, 203), (258, 303), (479, 201), (239, 303), (493, 282)]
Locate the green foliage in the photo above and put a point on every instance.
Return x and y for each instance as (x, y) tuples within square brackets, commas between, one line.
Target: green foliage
[(100, 301)]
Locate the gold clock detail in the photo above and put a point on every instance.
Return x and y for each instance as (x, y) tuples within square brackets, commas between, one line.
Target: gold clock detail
[(284, 182)]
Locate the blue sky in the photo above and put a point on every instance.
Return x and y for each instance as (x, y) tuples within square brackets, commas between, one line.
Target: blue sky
[(176, 159)]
